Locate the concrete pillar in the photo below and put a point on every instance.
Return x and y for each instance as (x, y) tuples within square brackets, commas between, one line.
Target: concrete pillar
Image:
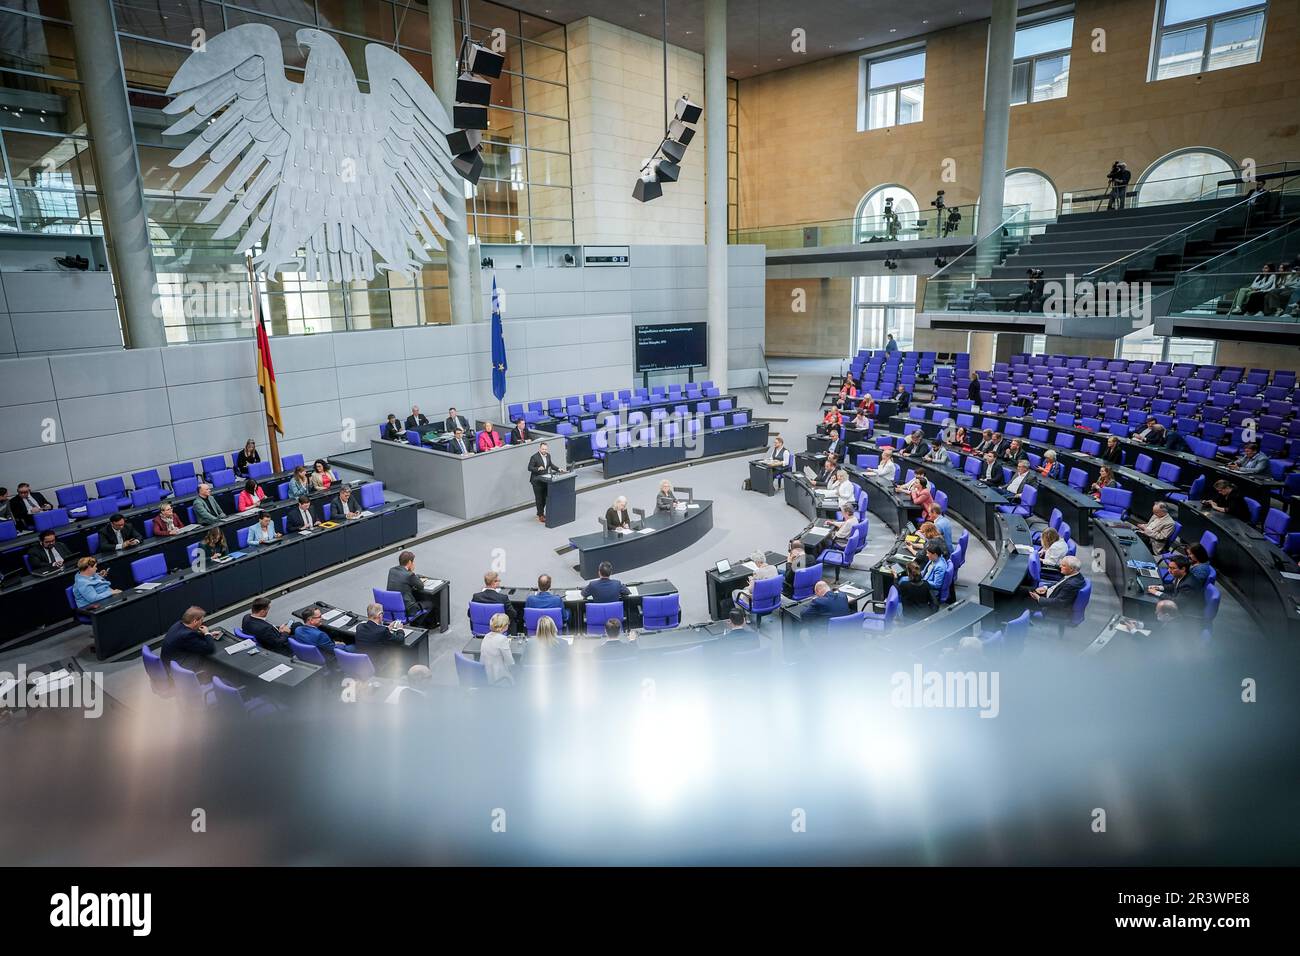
[(997, 120), (715, 184), (445, 44), (108, 117)]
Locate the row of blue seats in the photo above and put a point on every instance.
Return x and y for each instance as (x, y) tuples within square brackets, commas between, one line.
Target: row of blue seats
[(573, 406)]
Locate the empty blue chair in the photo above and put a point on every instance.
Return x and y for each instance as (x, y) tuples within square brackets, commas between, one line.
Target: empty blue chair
[(1169, 471), (413, 437), (213, 464), (113, 489), (146, 496), (157, 672), (98, 507), (1193, 494), (392, 603), (184, 469), (8, 530), (185, 487), (893, 611), (1115, 503), (480, 617), (188, 688), (805, 579), (1143, 464), (223, 478), (661, 610), (72, 499), (470, 673), (308, 653), (598, 614), (372, 495), (259, 469), (54, 518), (290, 462), (846, 625), (357, 666), (230, 700), (838, 558), (1276, 525), (149, 568), (766, 598), (534, 614), (148, 478), (1011, 639), (1212, 598), (1253, 509)]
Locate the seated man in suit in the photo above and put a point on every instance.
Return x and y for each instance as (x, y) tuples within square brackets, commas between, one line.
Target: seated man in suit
[(492, 594), (417, 602), (1152, 434), (267, 635), (545, 597), (5, 505), (455, 420), (416, 419), (309, 631), (605, 589), (303, 517), (1183, 587), (617, 642), (1013, 452), (489, 438), (1057, 601), (26, 504), (187, 638), (207, 510), (118, 536), (520, 433), (903, 398), (49, 554), (459, 444), (618, 516), (991, 471), (738, 636), (1020, 480), (374, 631), (826, 603), (393, 429), (346, 505), (1000, 444)]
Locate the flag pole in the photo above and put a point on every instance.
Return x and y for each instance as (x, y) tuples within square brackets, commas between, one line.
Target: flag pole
[(255, 293)]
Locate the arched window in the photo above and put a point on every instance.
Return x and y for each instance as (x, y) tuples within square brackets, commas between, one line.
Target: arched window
[(872, 222), (1029, 187), (1184, 176)]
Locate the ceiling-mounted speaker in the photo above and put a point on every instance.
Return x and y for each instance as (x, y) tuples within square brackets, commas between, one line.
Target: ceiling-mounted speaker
[(673, 150), (473, 90), (686, 111), (679, 132), (483, 61), (463, 141), (469, 117), (647, 186), (667, 172), (469, 165)]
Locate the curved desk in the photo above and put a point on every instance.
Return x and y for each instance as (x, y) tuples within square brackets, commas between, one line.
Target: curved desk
[(1120, 544), (975, 501), (999, 586), (669, 533)]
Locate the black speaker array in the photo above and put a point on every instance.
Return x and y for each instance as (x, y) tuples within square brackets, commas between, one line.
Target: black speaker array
[(665, 166), (476, 68)]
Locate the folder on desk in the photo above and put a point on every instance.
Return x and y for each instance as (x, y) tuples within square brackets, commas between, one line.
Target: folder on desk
[(573, 594), (334, 613)]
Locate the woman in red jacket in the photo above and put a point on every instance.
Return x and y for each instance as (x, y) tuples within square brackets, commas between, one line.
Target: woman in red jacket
[(250, 497), (488, 438)]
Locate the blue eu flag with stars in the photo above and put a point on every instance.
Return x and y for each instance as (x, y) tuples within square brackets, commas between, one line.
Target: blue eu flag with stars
[(498, 347)]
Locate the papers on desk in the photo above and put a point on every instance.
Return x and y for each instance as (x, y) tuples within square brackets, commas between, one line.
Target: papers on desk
[(1290, 575), (276, 672), (333, 615), (305, 531), (432, 584), (241, 646), (903, 557), (366, 514), (147, 586), (646, 531), (632, 592), (818, 532), (622, 530), (573, 594), (693, 504), (750, 565), (852, 591), (1025, 548), (185, 528)]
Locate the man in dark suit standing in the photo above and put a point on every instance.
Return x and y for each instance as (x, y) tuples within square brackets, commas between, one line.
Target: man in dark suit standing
[(303, 517), (538, 465), (118, 536), (267, 635), (459, 444), (605, 589), (403, 579), (492, 594), (455, 420), (51, 554), (416, 419), (26, 504)]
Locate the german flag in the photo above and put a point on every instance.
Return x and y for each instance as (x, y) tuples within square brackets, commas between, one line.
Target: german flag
[(266, 379)]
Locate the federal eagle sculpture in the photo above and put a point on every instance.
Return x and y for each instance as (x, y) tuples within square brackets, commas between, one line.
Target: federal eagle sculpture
[(329, 180)]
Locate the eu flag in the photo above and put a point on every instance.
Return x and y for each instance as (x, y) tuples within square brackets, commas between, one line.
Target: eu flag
[(498, 347)]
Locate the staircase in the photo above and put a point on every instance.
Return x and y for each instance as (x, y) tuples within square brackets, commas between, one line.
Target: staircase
[(778, 387)]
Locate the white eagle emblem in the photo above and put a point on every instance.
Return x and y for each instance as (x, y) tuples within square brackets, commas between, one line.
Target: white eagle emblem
[(331, 178)]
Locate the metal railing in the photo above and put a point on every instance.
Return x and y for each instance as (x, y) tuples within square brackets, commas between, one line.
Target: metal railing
[(1220, 287), (955, 222), (963, 284), (1174, 189)]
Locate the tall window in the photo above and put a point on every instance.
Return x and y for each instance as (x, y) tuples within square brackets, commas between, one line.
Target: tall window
[(891, 90), (883, 305), (1042, 61), (876, 208), (1029, 187), (1184, 177), (1196, 36)]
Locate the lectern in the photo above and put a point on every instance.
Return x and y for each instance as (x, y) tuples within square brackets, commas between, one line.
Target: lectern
[(561, 497)]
